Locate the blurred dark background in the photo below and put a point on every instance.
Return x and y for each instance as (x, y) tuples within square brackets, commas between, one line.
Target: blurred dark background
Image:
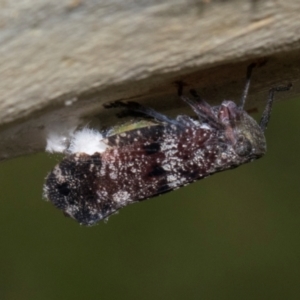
[(235, 235)]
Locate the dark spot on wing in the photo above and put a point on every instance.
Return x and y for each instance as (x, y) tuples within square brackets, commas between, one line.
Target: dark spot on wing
[(156, 171), (63, 189), (152, 148)]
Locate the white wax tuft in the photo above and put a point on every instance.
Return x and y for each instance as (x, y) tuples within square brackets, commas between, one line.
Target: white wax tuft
[(87, 141), (56, 143)]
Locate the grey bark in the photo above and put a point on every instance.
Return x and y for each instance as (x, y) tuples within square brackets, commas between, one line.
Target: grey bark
[(61, 60)]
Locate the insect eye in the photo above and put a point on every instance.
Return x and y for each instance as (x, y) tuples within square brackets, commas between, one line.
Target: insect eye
[(243, 146)]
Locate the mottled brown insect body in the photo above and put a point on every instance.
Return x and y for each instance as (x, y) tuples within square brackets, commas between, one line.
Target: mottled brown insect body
[(142, 163)]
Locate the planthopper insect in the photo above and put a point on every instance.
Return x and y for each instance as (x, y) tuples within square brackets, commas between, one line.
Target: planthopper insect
[(104, 172)]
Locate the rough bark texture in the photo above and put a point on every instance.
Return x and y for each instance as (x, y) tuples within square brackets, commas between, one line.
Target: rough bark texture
[(61, 60)]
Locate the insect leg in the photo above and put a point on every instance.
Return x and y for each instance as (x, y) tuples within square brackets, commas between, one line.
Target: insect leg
[(135, 107), (268, 109), (247, 85), (194, 104), (202, 109)]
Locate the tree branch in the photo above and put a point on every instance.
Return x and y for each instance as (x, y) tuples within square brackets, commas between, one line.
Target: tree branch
[(60, 61)]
